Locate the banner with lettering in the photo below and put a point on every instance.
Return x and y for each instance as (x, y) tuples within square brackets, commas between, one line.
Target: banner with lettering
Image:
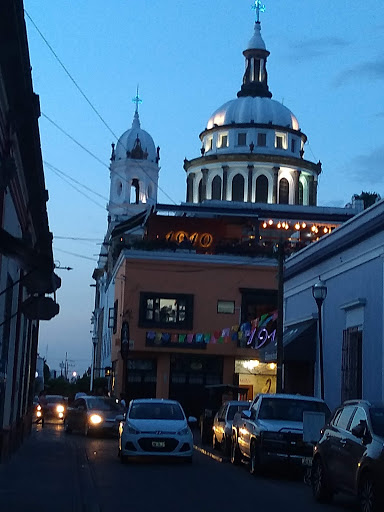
[(256, 334)]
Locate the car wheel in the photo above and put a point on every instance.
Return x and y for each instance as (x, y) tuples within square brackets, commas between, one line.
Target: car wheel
[(367, 495), (321, 489), (215, 443), (254, 462), (67, 428), (235, 453)]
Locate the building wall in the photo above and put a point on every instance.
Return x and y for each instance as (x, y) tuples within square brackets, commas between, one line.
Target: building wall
[(354, 279), (208, 279)]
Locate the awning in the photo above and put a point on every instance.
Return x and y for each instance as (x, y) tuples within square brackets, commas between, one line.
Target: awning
[(299, 342)]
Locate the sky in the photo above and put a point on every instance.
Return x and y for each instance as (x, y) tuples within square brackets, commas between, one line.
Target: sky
[(326, 66)]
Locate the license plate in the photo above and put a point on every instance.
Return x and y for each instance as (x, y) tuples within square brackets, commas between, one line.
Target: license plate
[(307, 461), (158, 444)]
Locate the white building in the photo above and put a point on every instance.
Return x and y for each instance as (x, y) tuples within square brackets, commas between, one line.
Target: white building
[(350, 261)]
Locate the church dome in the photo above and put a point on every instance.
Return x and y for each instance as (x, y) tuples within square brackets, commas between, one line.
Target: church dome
[(136, 143), (248, 109)]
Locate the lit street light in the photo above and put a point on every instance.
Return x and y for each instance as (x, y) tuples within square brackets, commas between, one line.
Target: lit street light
[(319, 292)]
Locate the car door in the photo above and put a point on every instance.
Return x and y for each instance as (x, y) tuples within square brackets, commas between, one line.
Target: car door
[(247, 427), (336, 439), (217, 422), (221, 422), (353, 450), (78, 413)]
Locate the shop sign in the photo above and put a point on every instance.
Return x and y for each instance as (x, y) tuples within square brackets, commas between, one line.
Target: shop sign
[(200, 239)]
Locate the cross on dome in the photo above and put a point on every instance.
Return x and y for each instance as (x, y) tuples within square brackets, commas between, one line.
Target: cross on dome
[(137, 100), (258, 7)]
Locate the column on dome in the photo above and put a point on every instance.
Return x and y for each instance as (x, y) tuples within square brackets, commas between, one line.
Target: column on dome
[(275, 184), (250, 181), (204, 184), (311, 197), (314, 196), (296, 178), (225, 182)]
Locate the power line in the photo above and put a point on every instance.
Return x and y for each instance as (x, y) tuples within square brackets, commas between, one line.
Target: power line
[(76, 238), (92, 106), (75, 254)]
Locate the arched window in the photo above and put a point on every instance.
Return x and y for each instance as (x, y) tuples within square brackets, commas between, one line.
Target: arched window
[(201, 191), (284, 191), (238, 188), (190, 188), (216, 188), (262, 189), (301, 193), (135, 189)]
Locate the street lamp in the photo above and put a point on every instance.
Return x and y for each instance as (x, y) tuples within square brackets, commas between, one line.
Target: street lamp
[(319, 292)]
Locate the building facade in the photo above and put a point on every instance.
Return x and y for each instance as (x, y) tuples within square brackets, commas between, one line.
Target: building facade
[(350, 263), (26, 263)]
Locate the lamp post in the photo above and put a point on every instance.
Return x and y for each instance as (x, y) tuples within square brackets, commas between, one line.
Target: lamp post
[(319, 292), (94, 342)]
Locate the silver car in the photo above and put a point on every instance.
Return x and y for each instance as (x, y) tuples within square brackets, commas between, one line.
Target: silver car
[(222, 424)]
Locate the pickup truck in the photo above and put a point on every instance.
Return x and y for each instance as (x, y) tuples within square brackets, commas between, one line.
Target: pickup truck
[(271, 430)]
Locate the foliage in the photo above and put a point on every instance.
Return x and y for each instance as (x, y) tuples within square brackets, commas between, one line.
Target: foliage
[(369, 198)]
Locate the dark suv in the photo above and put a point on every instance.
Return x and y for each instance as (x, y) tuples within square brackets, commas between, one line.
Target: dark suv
[(350, 455)]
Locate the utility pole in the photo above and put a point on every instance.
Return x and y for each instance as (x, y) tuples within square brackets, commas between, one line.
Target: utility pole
[(280, 314)]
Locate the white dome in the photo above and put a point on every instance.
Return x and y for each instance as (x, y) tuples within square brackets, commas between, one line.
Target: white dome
[(128, 141), (259, 110)]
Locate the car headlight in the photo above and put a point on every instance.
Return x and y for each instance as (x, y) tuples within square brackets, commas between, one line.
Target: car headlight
[(95, 419), (60, 408), (131, 429), (183, 431)]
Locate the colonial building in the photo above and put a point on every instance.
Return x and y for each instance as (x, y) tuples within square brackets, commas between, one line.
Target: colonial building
[(186, 295), (26, 261)]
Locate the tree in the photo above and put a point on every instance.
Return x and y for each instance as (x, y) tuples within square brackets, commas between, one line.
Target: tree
[(369, 198)]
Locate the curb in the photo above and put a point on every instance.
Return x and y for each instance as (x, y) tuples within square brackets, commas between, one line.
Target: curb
[(217, 458)]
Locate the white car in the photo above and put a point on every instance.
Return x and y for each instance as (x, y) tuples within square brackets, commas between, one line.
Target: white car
[(155, 427)]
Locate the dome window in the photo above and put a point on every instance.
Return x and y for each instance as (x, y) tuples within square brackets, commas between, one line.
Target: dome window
[(209, 144), (200, 191), (262, 189), (216, 188), (238, 188), (301, 193), (119, 188), (293, 145), (241, 139), (223, 140), (262, 139), (135, 190), (284, 191), (281, 140)]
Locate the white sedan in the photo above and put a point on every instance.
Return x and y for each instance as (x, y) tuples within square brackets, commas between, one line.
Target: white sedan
[(155, 427)]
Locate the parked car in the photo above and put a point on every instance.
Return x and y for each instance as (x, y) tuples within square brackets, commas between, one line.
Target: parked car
[(271, 430), (350, 455), (155, 427), (222, 423), (55, 408), (94, 414)]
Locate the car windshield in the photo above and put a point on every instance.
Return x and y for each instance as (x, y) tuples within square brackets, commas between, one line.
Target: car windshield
[(377, 419), (55, 399), (289, 409), (156, 411), (233, 409), (103, 404)]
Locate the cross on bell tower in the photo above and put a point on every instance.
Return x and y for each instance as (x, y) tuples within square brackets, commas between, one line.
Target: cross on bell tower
[(258, 7)]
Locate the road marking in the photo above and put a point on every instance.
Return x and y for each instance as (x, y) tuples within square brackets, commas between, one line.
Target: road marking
[(217, 458)]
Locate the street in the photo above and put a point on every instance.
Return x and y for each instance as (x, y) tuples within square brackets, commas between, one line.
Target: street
[(56, 471)]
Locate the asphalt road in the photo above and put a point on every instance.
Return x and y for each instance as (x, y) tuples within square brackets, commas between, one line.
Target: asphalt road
[(204, 486), (71, 473)]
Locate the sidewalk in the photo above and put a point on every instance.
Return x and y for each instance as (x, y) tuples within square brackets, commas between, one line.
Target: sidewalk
[(47, 473)]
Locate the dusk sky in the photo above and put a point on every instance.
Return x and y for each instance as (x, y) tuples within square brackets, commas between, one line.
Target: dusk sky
[(326, 66)]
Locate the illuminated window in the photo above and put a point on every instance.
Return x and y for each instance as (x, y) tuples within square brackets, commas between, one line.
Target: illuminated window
[(281, 140), (171, 311), (261, 139), (241, 139), (226, 306), (223, 140)]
